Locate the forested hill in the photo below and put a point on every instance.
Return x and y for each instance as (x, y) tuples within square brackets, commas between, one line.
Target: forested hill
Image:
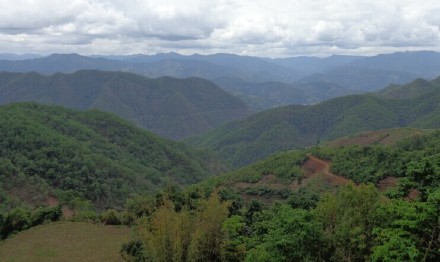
[(253, 138), (49, 151), (171, 107)]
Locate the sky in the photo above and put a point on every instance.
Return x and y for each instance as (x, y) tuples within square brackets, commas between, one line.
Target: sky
[(267, 28)]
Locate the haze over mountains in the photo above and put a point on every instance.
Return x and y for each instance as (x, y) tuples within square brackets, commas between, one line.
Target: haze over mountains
[(171, 107), (262, 83)]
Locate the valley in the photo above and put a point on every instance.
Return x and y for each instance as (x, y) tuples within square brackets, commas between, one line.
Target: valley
[(220, 158)]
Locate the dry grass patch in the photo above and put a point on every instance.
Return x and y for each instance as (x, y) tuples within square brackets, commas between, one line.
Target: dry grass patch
[(66, 241)]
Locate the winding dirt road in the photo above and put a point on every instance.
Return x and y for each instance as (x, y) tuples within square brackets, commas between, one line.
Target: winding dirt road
[(318, 167)]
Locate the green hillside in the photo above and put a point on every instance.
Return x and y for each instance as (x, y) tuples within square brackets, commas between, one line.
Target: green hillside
[(242, 142), (383, 137), (407, 155), (66, 242), (416, 88), (171, 107), (49, 151), (351, 203)]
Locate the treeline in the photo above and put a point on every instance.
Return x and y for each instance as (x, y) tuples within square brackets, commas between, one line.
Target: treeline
[(355, 224), (20, 218)]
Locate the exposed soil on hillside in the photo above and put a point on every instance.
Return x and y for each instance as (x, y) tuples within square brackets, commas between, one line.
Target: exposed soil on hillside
[(384, 137), (51, 201), (413, 194), (386, 183), (315, 167)]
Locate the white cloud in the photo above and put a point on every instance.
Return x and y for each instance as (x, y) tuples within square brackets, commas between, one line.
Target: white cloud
[(258, 27)]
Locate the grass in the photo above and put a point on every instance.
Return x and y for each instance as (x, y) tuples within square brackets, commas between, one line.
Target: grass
[(66, 241)]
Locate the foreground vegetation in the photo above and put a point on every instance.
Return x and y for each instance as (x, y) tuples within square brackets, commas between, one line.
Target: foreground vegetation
[(352, 223), (355, 224)]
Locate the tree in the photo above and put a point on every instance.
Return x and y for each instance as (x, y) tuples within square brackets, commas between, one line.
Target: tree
[(291, 235), (411, 232), (233, 247), (348, 219), (208, 235), (81, 209), (167, 233), (111, 217), (16, 220)]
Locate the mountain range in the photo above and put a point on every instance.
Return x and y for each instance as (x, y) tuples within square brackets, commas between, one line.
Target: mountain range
[(171, 107), (416, 104), (295, 79)]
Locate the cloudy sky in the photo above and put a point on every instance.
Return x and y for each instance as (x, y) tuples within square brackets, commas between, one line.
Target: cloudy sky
[(272, 28)]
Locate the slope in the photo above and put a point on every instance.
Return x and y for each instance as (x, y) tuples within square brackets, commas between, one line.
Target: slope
[(415, 88), (245, 141), (48, 151), (66, 242), (266, 95), (174, 108), (423, 63)]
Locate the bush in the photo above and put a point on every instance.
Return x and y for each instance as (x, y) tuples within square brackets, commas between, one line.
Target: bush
[(111, 217), (45, 214)]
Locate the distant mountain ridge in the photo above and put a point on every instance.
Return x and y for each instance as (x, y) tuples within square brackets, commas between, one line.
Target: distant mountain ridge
[(300, 76), (245, 141), (174, 108)]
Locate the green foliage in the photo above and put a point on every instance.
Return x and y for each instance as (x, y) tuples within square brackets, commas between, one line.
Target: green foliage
[(348, 219), (285, 166), (368, 164), (133, 251), (16, 220), (416, 161), (304, 198), (92, 155), (45, 214), (170, 235), (20, 218), (412, 231), (290, 235), (110, 217), (233, 247), (245, 141), (82, 209)]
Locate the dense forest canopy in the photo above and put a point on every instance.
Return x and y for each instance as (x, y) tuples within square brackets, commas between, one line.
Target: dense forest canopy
[(49, 151)]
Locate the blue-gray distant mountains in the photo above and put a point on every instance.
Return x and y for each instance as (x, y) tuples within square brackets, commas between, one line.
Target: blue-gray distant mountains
[(262, 83), (171, 107)]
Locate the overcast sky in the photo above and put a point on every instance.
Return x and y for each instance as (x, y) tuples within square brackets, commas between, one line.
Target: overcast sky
[(271, 28)]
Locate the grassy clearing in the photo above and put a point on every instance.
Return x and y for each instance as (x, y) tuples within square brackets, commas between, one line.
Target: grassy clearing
[(66, 241)]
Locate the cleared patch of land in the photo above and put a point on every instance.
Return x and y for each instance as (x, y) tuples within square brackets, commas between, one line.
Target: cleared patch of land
[(318, 167), (66, 241), (384, 137)]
